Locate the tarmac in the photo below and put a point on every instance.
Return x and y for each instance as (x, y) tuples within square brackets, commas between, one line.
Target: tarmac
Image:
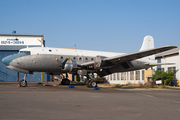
[(37, 101)]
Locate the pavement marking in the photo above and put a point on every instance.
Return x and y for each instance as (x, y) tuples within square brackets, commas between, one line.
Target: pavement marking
[(159, 98)]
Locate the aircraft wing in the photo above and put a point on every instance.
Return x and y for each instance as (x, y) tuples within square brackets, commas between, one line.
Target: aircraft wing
[(132, 56)]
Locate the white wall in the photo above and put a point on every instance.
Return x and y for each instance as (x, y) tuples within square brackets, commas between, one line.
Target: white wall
[(113, 78), (172, 59), (20, 40)]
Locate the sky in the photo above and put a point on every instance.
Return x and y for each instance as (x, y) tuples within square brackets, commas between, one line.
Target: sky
[(100, 25)]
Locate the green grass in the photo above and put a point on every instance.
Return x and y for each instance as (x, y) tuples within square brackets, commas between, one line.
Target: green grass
[(78, 83)]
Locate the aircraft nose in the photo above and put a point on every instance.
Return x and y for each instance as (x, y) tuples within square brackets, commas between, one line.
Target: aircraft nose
[(6, 60)]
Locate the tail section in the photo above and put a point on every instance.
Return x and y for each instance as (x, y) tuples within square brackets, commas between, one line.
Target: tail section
[(148, 43)]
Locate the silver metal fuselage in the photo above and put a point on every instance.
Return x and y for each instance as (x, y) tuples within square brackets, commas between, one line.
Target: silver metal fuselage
[(50, 60)]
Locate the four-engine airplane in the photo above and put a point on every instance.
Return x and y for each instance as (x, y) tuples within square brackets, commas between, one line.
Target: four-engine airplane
[(56, 61)]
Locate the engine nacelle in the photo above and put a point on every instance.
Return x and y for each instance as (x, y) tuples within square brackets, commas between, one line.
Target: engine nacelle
[(97, 62), (68, 67)]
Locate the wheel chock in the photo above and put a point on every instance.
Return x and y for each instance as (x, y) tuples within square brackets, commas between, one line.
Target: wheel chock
[(96, 88), (39, 83), (19, 85), (70, 86)]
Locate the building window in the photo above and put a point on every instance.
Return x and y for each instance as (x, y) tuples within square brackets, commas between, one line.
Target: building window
[(117, 76), (132, 75), (173, 69), (128, 76), (142, 74), (137, 75), (161, 69), (114, 76), (123, 76)]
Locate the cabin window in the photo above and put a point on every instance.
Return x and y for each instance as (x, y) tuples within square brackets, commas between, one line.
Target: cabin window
[(61, 57), (92, 59), (74, 58), (80, 58), (50, 50), (86, 59)]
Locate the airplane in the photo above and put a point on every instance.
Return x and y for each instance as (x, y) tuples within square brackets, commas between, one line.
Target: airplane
[(56, 61)]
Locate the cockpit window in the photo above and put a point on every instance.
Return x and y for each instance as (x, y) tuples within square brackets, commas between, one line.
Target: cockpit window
[(26, 52)]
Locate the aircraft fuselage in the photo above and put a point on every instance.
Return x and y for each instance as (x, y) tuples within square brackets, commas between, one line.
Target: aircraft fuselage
[(50, 60)]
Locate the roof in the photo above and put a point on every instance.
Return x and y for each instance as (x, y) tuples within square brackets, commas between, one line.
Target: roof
[(30, 35), (11, 47), (169, 52), (67, 47)]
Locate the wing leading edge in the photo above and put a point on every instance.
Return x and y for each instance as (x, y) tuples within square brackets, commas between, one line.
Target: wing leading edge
[(129, 57)]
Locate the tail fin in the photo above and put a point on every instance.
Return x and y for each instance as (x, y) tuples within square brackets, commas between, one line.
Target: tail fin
[(148, 43)]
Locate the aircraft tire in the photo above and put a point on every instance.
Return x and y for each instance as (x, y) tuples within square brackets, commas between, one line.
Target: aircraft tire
[(23, 83), (87, 83), (65, 82), (62, 82), (93, 83)]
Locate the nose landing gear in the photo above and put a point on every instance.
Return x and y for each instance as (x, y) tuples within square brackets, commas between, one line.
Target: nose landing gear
[(23, 82)]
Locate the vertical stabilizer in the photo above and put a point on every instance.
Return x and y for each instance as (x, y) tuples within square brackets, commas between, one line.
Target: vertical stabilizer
[(148, 43)]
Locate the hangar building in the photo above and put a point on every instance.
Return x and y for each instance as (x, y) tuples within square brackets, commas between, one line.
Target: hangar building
[(11, 44)]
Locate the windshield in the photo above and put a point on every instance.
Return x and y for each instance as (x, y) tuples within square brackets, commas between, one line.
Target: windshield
[(26, 52)]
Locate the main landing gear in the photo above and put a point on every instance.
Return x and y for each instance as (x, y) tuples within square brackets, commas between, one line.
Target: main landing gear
[(23, 82), (91, 81), (65, 81)]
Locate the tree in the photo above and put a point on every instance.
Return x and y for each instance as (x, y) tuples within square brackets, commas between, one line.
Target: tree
[(166, 77)]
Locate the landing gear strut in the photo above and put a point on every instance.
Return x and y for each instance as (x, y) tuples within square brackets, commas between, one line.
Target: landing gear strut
[(65, 81), (23, 82)]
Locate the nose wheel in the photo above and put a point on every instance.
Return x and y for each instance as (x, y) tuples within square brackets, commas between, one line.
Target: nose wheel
[(23, 83)]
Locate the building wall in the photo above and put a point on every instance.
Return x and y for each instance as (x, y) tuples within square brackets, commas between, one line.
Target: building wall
[(127, 77), (171, 59), (132, 77)]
